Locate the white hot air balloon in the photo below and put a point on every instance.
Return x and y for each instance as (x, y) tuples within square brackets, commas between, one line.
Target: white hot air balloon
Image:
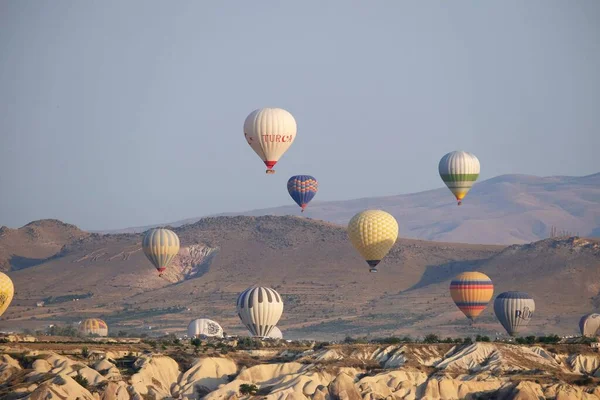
[(459, 170), (259, 308), (276, 333), (270, 132), (204, 327)]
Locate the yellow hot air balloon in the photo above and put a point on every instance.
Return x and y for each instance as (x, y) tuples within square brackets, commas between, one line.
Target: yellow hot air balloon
[(471, 292), (160, 245), (7, 291), (270, 132), (373, 233), (93, 326)]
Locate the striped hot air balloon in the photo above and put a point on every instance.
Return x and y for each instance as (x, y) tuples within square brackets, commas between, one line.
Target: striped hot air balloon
[(259, 308), (514, 310), (373, 233), (160, 245), (302, 188), (7, 291), (459, 170), (270, 132), (93, 326), (471, 292), (589, 325)]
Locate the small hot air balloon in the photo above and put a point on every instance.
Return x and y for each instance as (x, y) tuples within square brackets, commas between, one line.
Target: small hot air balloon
[(93, 326), (276, 333), (373, 233), (302, 188), (270, 132), (160, 245), (514, 310), (204, 327), (589, 325), (259, 308), (471, 292), (459, 170), (7, 291)]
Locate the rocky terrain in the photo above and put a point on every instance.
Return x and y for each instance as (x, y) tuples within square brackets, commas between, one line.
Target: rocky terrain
[(280, 370), (507, 209), (326, 287)]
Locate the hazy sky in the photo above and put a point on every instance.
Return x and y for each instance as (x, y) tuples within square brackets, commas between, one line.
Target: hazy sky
[(124, 113)]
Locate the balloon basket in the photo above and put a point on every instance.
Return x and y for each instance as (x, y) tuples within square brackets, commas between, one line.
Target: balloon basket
[(270, 171)]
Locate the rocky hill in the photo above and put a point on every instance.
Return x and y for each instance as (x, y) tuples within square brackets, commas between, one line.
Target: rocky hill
[(297, 371), (508, 209), (326, 287)]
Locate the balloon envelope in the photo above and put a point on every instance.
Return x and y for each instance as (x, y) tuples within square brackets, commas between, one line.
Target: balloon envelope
[(160, 245), (471, 292), (589, 325), (259, 308), (302, 189), (275, 333), (204, 327), (270, 132), (459, 170), (7, 291), (514, 310), (93, 326), (373, 233)]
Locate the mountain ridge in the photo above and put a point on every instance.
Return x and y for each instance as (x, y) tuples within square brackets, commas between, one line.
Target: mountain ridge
[(327, 289), (507, 209)]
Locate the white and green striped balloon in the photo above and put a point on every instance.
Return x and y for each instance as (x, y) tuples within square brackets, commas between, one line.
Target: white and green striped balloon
[(459, 170)]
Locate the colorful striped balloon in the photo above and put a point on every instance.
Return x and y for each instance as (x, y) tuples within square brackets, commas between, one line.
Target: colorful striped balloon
[(93, 326), (459, 170), (471, 292), (302, 188)]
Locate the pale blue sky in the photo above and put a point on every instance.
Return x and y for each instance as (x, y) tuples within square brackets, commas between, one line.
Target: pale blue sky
[(125, 113)]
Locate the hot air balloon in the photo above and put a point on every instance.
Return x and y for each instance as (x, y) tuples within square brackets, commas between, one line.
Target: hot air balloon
[(514, 310), (276, 333), (589, 325), (7, 291), (471, 292), (373, 233), (270, 132), (93, 326), (259, 308), (160, 245), (302, 188), (459, 170), (204, 327)]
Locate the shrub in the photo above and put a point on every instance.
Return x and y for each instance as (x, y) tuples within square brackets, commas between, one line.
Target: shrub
[(81, 380), (431, 338), (480, 338), (248, 389), (85, 352)]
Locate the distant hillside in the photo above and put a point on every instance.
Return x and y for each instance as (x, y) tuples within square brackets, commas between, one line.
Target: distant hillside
[(507, 209), (33, 243), (327, 289)]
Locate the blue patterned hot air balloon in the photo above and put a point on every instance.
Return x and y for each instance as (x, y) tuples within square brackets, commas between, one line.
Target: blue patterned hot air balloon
[(302, 188)]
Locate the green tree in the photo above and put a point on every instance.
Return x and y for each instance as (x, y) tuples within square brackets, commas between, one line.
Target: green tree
[(431, 338), (82, 380), (248, 389)]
